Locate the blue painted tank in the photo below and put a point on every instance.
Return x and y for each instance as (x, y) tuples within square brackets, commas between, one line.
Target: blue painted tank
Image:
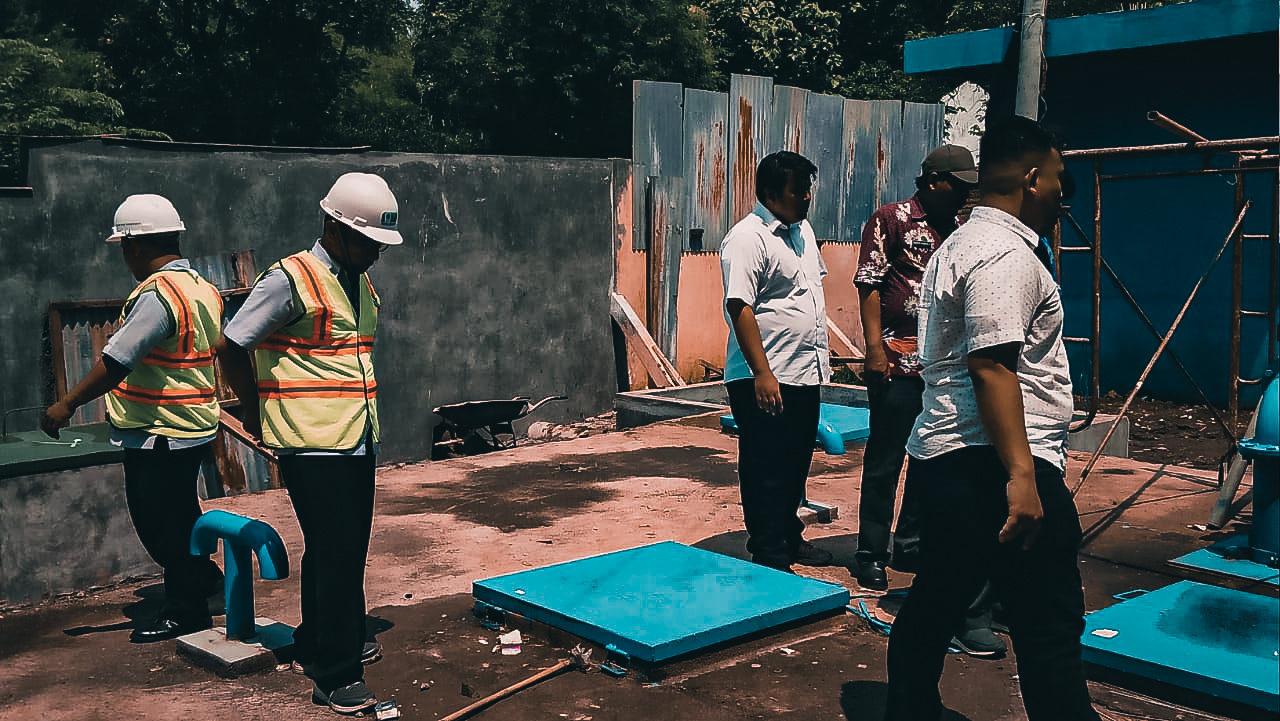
[(1263, 449)]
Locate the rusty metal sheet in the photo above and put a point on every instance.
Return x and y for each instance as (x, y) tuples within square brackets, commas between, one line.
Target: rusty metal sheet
[(750, 110), (787, 125), (667, 218), (657, 138), (226, 271), (922, 127), (860, 152), (80, 332), (822, 141), (888, 123), (706, 155)]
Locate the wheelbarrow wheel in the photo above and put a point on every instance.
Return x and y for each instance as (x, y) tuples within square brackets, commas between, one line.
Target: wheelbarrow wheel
[(455, 443)]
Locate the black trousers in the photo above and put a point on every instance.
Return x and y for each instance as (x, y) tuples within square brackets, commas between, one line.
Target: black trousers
[(160, 489), (894, 404), (333, 499), (963, 507), (773, 465)]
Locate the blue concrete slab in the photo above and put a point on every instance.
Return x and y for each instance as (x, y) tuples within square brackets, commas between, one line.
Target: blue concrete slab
[(1229, 557), (1212, 640), (848, 423), (660, 601)]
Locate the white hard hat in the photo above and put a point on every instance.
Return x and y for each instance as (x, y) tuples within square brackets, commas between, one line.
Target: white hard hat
[(364, 202), (145, 214)]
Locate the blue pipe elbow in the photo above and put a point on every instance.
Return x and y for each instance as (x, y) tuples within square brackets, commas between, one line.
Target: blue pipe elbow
[(262, 539), (831, 440)]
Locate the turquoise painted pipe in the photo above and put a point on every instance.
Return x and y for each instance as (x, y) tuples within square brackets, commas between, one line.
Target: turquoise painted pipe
[(831, 440), (1263, 449), (242, 539)]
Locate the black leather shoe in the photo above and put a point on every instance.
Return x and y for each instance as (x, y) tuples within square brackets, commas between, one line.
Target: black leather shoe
[(163, 629), (807, 554), (871, 576)]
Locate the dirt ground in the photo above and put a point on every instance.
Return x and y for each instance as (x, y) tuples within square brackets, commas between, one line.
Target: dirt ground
[(442, 525), (1177, 434)]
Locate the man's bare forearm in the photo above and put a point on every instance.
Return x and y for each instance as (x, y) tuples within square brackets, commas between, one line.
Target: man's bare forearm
[(869, 311), (747, 331)]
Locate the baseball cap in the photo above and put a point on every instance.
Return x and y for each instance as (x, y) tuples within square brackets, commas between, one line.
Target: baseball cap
[(954, 160)]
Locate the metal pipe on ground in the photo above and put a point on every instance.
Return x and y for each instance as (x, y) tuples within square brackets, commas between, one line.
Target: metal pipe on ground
[(578, 658)]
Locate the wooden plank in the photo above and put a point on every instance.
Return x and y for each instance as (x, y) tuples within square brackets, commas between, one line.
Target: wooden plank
[(847, 346), (660, 370), (657, 137), (787, 122), (666, 219), (750, 100), (706, 152), (822, 141)]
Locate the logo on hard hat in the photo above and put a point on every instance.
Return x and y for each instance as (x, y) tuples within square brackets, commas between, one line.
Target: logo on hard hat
[(389, 219)]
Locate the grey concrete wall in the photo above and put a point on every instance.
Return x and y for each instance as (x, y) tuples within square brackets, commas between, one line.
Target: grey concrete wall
[(500, 289), (66, 531)]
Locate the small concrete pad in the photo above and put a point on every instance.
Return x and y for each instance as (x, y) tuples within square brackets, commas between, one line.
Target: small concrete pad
[(211, 649), (1229, 557)]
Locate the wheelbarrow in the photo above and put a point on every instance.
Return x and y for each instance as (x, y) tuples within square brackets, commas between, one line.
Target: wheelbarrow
[(480, 426)]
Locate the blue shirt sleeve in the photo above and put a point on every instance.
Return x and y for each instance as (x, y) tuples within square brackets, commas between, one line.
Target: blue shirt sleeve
[(268, 308), (147, 323)]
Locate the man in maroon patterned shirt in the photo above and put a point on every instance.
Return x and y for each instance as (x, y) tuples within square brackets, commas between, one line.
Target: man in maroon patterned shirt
[(897, 243)]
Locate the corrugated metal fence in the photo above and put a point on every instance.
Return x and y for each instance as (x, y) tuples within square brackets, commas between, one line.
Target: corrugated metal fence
[(705, 146)]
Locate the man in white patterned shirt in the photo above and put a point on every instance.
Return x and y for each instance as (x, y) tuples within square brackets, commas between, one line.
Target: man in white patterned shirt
[(988, 451)]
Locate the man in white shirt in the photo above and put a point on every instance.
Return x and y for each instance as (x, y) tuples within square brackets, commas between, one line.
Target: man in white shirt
[(777, 357), (988, 450)]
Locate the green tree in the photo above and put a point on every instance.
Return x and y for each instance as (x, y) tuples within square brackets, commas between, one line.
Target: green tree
[(42, 94), (795, 43), (551, 77), (381, 105), (243, 71)]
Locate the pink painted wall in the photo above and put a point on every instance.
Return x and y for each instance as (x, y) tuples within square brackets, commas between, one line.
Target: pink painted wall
[(701, 331)]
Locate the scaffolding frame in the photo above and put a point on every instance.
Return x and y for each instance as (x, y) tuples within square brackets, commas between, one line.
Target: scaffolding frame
[(1250, 156)]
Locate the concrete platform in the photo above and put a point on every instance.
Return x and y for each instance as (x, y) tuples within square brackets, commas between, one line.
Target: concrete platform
[(212, 649)]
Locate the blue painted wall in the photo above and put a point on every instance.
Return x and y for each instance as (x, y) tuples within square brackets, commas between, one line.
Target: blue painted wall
[(1161, 234), (1209, 65)]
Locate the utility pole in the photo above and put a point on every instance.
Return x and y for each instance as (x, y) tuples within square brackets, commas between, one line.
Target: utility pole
[(1030, 55)]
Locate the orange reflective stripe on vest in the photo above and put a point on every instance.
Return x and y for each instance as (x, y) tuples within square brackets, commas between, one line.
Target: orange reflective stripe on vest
[(316, 384), (171, 392)]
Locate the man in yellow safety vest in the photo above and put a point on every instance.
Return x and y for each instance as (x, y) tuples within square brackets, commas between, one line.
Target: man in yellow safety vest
[(310, 321), (157, 373)]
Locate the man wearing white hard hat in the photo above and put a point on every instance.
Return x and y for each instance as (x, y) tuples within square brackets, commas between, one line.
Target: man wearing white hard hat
[(310, 321), (157, 374)]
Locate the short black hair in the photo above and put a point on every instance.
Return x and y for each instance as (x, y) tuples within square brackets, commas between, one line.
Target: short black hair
[(1013, 138), (159, 243), (776, 168)]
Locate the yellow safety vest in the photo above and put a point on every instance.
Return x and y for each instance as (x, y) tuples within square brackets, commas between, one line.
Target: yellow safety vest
[(315, 376), (172, 392)]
